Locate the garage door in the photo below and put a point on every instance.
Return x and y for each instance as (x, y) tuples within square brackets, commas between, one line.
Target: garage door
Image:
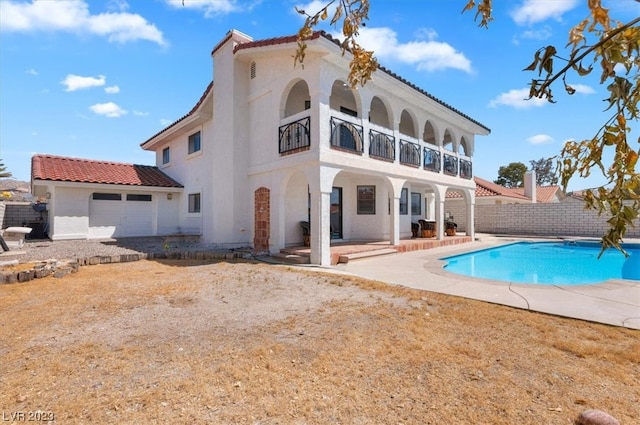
[(118, 215)]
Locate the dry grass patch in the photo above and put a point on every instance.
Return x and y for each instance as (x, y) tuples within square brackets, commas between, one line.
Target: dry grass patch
[(190, 342)]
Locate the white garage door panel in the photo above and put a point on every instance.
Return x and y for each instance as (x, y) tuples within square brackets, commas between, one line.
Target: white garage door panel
[(119, 218), (105, 218), (139, 218)]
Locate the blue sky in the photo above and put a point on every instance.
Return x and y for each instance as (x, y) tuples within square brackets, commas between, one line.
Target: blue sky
[(94, 79)]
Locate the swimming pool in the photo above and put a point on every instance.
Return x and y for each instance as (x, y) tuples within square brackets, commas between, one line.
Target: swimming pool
[(548, 263)]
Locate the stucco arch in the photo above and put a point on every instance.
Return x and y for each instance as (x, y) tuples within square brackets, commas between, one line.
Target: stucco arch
[(343, 98), (430, 133), (449, 141), (295, 98), (379, 112), (466, 148), (408, 123)]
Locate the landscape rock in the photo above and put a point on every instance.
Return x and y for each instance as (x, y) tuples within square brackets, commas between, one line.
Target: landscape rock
[(595, 417)]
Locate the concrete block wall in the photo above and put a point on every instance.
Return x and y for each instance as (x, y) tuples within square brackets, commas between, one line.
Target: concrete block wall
[(19, 213), (557, 219)]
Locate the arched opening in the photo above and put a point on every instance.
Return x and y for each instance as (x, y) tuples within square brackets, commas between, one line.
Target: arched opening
[(298, 99), (429, 134), (465, 148), (447, 141), (342, 99), (378, 113), (407, 124)]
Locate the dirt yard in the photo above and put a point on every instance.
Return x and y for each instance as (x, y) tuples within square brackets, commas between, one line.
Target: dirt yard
[(243, 343)]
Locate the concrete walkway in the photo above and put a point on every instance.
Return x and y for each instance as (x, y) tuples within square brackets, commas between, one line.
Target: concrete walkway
[(614, 302)]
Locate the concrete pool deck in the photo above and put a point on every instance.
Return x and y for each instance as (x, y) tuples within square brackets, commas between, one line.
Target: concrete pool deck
[(614, 302)]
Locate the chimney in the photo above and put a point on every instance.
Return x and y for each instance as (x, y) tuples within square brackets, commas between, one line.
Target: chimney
[(530, 185)]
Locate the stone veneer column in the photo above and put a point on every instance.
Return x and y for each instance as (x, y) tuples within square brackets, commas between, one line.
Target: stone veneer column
[(262, 218)]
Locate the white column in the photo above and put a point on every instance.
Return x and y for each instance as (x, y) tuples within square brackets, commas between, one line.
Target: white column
[(395, 189), (470, 201), (440, 194), (320, 187)]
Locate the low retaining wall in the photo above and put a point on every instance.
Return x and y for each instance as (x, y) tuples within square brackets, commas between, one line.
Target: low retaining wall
[(61, 268)]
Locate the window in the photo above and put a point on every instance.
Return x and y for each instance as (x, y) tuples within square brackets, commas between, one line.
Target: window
[(348, 111), (366, 199), (252, 70), (404, 201), (194, 142), (416, 203), (141, 198), (194, 202), (166, 155), (107, 197)]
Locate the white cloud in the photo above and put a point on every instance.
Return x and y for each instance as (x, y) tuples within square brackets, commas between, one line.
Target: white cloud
[(74, 17), (425, 54), (31, 71), (540, 139), (517, 98), (208, 7), (112, 89), (108, 109), (582, 89), (165, 122), (534, 11), (77, 82), (313, 7), (140, 114)]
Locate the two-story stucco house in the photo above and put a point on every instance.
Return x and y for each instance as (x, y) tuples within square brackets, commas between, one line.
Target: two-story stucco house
[(269, 145)]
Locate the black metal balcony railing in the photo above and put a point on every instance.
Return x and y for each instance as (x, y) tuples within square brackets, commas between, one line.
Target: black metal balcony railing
[(450, 165), (295, 135), (466, 169), (346, 135), (432, 160), (382, 146), (409, 153)]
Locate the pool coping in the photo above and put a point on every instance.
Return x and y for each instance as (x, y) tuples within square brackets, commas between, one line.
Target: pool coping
[(614, 302)]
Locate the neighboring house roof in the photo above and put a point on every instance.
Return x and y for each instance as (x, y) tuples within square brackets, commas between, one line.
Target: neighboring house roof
[(543, 193), (485, 188), (64, 169)]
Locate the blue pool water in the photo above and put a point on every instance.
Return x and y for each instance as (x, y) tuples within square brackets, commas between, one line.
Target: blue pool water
[(549, 263)]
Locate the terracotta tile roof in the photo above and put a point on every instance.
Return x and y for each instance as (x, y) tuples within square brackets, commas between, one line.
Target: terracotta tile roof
[(279, 40), (485, 188), (191, 112), (64, 169), (317, 34), (543, 193)]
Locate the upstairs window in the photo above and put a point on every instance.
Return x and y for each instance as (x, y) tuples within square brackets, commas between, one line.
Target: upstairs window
[(252, 70), (194, 143), (166, 155)]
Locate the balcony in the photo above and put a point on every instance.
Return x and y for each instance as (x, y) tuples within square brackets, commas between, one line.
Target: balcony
[(295, 136), (432, 161), (466, 169), (409, 153), (346, 136), (382, 146), (450, 164)]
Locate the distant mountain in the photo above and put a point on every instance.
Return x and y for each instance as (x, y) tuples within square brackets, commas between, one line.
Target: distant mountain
[(12, 184), (19, 190)]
